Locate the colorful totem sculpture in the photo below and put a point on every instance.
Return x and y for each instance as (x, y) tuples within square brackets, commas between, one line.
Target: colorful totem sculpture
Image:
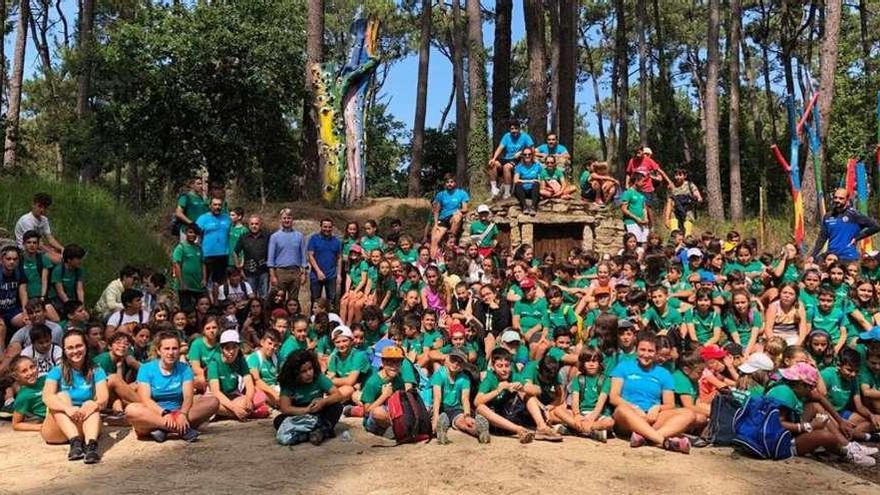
[(792, 168), (340, 100)]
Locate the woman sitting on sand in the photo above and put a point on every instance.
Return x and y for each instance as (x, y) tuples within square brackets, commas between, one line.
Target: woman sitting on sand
[(167, 397)]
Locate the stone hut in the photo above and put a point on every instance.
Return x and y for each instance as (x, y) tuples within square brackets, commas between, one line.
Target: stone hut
[(559, 226)]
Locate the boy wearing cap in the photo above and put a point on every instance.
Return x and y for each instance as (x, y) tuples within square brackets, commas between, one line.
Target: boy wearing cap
[(230, 380), (483, 231), (379, 388), (512, 341), (347, 367), (712, 378), (452, 401)]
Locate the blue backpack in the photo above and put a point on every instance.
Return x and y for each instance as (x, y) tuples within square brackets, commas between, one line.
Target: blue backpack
[(759, 431)]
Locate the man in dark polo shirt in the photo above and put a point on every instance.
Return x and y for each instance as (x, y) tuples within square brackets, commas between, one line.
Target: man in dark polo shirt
[(254, 246)]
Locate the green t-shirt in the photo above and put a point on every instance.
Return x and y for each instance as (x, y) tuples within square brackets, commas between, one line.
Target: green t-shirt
[(872, 275), (193, 205), (105, 362), (189, 257), (228, 374), (371, 243), (477, 228), (790, 274), (563, 316), (589, 388), (31, 267), (303, 394), (683, 385), (635, 202), (355, 361), (866, 377), (450, 388), (548, 389), (356, 272), (752, 267), (840, 391), (808, 300), (29, 400), (704, 324), (584, 180), (670, 318), (429, 339), (786, 396), (289, 346), (829, 322), (373, 387), (235, 234), (68, 279), (490, 382), (407, 256), (743, 328), (530, 313), (546, 175), (201, 352), (267, 368), (413, 345)]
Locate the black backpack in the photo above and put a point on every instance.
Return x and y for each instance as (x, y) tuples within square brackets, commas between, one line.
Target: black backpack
[(721, 430)]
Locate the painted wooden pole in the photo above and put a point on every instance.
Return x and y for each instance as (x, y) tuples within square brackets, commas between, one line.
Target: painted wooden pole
[(862, 195)]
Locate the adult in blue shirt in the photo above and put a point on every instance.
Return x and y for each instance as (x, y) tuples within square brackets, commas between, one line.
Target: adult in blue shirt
[(505, 157), (287, 260), (642, 393), (842, 228), (449, 207), (324, 250), (214, 227), (167, 397), (553, 148), (527, 181)]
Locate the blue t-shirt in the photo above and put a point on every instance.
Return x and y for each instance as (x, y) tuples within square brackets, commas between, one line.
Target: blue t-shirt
[(841, 230), (450, 202), (165, 390), (512, 145), (326, 251), (528, 173), (643, 388), (215, 233), (79, 390), (559, 149)]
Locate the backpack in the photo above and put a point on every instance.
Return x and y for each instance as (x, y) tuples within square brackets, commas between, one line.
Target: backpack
[(759, 431), (720, 430), (296, 429), (410, 420)]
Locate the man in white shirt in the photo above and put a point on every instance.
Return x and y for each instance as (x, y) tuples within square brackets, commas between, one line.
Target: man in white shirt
[(132, 312), (37, 220)]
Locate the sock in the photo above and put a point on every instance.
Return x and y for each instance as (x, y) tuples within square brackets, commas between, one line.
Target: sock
[(494, 185), (506, 189)]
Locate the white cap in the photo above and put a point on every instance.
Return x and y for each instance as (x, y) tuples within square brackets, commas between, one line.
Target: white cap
[(483, 209), (230, 337), (510, 336), (694, 252), (647, 150), (756, 362), (334, 318), (341, 331)]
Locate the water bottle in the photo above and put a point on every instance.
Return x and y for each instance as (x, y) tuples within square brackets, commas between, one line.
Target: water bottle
[(345, 436)]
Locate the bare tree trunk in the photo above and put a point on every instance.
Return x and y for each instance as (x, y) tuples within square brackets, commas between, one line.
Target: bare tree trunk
[(733, 39), (445, 113), (3, 14), (867, 69), (84, 79), (641, 13), (461, 112), (537, 99), (591, 68), (757, 119), (622, 64), (478, 111), (418, 143), (62, 18), (501, 70), (552, 8), (314, 55), (568, 10), (764, 42), (12, 114), (827, 67), (713, 173)]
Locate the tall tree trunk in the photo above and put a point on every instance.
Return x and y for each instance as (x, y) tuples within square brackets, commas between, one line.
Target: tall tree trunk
[(736, 205), (641, 13), (418, 143), (867, 69), (764, 43), (13, 111), (537, 99), (591, 68), (478, 111), (757, 119), (314, 55), (3, 14), (713, 172), (501, 70), (461, 110), (568, 10), (84, 79), (553, 16), (786, 43), (827, 66), (622, 70)]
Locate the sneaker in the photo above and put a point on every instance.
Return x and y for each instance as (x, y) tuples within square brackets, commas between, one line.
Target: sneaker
[(872, 437), (92, 456), (533, 211), (443, 429), (190, 435), (525, 436), (261, 412), (316, 437), (636, 440), (678, 444), (346, 410), (159, 435), (562, 430), (863, 450), (860, 460), (482, 429), (494, 191), (76, 450), (599, 436)]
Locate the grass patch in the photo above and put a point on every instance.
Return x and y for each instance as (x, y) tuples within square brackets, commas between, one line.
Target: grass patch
[(88, 216)]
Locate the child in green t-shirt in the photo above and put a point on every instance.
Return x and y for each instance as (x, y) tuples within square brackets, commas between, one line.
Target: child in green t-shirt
[(263, 365), (589, 397), (452, 401), (230, 380), (28, 411)]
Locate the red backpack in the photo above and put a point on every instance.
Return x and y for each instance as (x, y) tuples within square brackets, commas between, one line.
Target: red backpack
[(410, 420)]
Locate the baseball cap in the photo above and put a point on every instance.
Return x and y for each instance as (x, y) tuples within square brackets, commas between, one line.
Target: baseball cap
[(483, 209), (392, 352), (707, 277), (279, 313), (334, 318), (356, 248), (341, 331), (647, 150), (757, 361), (694, 252), (230, 337), (601, 291), (733, 349), (712, 351), (456, 329), (459, 354), (527, 283), (872, 334), (510, 336), (625, 323), (801, 372)]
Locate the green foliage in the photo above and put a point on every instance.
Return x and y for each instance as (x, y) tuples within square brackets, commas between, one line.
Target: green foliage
[(88, 216), (439, 158), (385, 153)]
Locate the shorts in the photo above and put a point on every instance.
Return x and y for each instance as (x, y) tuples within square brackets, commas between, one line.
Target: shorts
[(446, 223), (640, 231), (7, 315), (452, 413), (217, 268), (846, 414), (650, 198), (536, 337), (371, 426)]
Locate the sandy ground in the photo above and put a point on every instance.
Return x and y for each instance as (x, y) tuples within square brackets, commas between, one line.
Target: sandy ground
[(244, 458)]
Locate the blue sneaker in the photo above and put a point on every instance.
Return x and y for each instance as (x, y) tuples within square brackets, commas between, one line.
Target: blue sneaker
[(159, 435), (190, 435)]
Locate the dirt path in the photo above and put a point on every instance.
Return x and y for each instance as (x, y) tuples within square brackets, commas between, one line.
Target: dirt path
[(243, 458)]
